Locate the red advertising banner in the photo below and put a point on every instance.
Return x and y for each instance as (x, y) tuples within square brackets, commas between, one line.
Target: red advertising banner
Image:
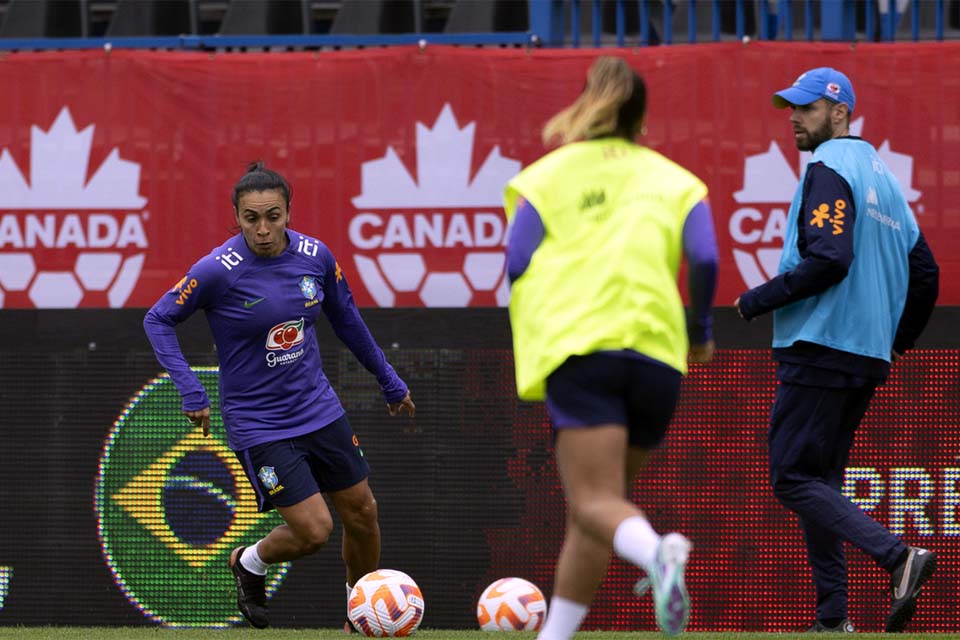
[(116, 168)]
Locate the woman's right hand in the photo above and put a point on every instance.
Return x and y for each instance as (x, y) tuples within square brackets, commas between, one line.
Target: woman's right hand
[(200, 418), (404, 406)]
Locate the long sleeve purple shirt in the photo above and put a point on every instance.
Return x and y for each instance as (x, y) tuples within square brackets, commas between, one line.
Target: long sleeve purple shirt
[(262, 313)]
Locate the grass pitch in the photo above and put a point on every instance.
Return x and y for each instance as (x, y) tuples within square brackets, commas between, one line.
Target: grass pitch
[(158, 633)]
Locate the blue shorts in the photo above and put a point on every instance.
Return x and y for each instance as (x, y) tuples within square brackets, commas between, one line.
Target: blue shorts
[(289, 471), (615, 388)]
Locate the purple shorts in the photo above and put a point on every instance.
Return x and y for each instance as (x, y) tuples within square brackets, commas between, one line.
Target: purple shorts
[(615, 387), (289, 471)]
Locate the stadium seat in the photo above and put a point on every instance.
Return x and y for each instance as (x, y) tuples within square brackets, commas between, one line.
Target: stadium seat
[(486, 16), (151, 18), (366, 17), (43, 19), (264, 17)]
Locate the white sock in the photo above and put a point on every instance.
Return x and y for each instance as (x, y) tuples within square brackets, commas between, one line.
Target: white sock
[(563, 619), (636, 542), (349, 590), (251, 561)]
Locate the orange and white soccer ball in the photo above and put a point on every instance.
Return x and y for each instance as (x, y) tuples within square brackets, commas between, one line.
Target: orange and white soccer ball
[(511, 604), (385, 603)]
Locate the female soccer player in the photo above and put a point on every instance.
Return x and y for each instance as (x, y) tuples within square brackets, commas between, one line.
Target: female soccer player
[(263, 291), (598, 228)]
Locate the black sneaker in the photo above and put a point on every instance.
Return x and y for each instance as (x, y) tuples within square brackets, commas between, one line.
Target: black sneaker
[(251, 592), (905, 583), (844, 627)]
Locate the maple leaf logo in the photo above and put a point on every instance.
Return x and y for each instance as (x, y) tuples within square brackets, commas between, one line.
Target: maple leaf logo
[(444, 153), (447, 214), (59, 159), (104, 245)]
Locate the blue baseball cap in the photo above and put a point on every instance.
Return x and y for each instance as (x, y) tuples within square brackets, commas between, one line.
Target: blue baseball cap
[(823, 82)]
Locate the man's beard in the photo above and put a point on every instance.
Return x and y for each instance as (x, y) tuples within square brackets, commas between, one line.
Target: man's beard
[(817, 137)]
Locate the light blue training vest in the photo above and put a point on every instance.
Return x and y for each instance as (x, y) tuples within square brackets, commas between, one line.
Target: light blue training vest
[(860, 314)]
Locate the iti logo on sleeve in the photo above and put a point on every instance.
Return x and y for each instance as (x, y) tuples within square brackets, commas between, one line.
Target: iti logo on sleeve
[(437, 241), (757, 227), (171, 505), (66, 241)]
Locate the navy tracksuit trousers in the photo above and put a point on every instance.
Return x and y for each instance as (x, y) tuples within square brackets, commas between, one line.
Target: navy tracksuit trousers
[(811, 433)]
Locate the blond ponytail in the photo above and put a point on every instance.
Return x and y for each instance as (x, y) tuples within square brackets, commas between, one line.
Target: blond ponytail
[(599, 110)]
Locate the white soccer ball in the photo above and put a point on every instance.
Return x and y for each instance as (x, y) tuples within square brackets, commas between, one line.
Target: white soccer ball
[(511, 604), (385, 603)]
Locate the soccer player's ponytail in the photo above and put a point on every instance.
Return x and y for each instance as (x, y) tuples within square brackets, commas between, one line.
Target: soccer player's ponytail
[(613, 103)]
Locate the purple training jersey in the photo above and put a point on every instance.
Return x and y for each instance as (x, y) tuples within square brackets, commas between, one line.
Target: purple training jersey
[(262, 313)]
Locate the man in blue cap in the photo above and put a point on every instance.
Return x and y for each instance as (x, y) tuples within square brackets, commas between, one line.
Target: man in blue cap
[(855, 288)]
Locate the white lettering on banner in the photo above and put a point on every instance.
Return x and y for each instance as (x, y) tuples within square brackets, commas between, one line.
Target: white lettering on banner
[(773, 227), (95, 231), (437, 239), (908, 492), (374, 231)]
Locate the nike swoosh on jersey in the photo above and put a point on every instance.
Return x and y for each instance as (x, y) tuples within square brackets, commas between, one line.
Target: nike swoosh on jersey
[(249, 303)]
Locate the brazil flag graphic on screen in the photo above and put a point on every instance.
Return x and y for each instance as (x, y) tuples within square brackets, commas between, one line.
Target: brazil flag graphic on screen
[(171, 506)]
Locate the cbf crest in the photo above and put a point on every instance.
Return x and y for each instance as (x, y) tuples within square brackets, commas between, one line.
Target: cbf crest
[(308, 286), (268, 477)]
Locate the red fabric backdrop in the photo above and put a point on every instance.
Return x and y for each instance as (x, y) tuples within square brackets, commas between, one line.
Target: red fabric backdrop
[(117, 168)]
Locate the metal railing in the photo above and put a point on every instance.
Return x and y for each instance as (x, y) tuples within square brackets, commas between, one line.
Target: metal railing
[(668, 22), (597, 23), (217, 42)]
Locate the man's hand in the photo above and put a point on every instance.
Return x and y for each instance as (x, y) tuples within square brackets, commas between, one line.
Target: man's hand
[(895, 355), (200, 418), (404, 406), (736, 303), (702, 353)]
